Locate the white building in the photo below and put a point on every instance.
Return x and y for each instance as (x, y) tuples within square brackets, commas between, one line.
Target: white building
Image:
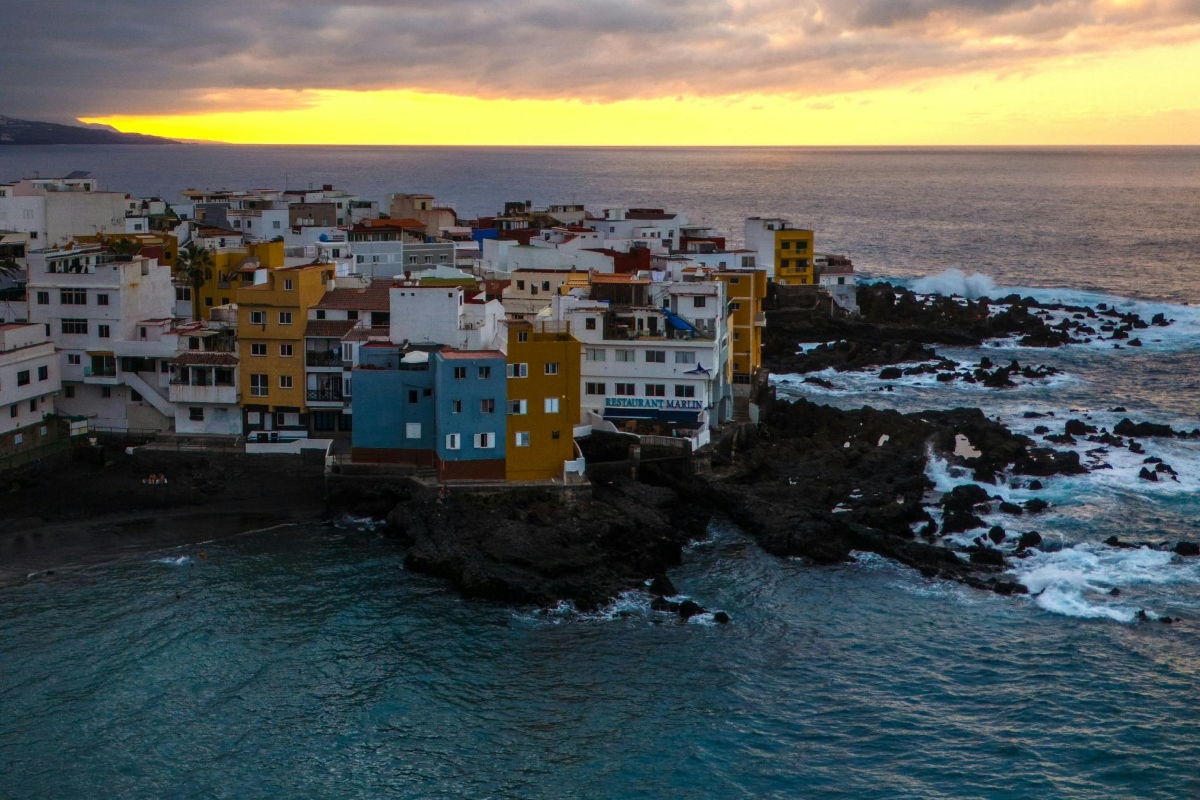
[(110, 317), (29, 380), (531, 290), (204, 375), (655, 228), (656, 355), (836, 276), (53, 210), (449, 315)]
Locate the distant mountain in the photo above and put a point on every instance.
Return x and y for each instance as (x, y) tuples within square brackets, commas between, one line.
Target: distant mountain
[(24, 131)]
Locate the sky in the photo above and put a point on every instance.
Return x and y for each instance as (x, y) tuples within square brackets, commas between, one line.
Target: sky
[(612, 72)]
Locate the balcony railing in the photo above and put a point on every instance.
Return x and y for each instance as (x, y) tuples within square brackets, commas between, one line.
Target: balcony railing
[(93, 372), (325, 395), (320, 358)]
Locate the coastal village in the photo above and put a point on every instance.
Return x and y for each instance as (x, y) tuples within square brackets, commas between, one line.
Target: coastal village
[(395, 335)]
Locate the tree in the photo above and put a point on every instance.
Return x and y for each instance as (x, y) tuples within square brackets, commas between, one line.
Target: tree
[(194, 265), (125, 247), (9, 268)]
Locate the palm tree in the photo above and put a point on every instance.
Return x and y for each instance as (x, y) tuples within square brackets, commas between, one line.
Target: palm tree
[(194, 265), (125, 247), (9, 268)]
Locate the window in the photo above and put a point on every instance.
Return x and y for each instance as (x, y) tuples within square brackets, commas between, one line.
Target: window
[(102, 299), (518, 407), (285, 350), (590, 324), (43, 298), (105, 332), (699, 302), (460, 373), (258, 385), (258, 318), (412, 396), (735, 280), (521, 439), (518, 370), (685, 357), (285, 318), (43, 373), (456, 406), (23, 378), (487, 406), (595, 354), (275, 224), (551, 367), (412, 430), (656, 356), (33, 405), (485, 373), (545, 286), (521, 286), (656, 390), (142, 332), (735, 306), (288, 285), (208, 301), (196, 414), (737, 337), (594, 388), (183, 294), (73, 297), (106, 392), (626, 355), (258, 349), (69, 392), (625, 390), (285, 381), (453, 441), (74, 359), (13, 410), (75, 326), (785, 246), (550, 405), (522, 336), (485, 441), (685, 390)]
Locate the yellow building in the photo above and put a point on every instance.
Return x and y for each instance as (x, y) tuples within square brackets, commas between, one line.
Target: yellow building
[(272, 316), (745, 289), (794, 257), (233, 267), (543, 399)]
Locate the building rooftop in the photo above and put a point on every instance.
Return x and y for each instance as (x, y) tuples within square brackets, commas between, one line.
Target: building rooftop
[(371, 298), (330, 328), (198, 359), (451, 353)]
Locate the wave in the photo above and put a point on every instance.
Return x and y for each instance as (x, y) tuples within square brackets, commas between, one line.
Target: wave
[(1078, 581), (955, 282)]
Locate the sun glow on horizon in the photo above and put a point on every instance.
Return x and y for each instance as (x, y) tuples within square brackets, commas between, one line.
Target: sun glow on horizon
[(1122, 98)]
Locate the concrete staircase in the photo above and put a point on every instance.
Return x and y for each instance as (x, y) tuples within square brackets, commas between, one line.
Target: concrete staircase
[(149, 394)]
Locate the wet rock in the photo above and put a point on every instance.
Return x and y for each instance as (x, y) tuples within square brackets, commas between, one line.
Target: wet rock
[(1035, 486), (1009, 587), (1187, 548), (890, 374), (1029, 539), (1077, 427), (1126, 427), (1114, 541), (1060, 438), (1135, 342), (1011, 508), (721, 618), (1147, 475), (1118, 410), (689, 609), (1166, 620), (824, 384), (1033, 415), (1040, 429), (662, 604), (1136, 447), (988, 556), (1036, 506), (662, 587), (996, 534), (1114, 592)]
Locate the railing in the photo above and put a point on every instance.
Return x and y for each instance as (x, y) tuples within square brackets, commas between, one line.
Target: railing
[(326, 395), (318, 358), (92, 372)]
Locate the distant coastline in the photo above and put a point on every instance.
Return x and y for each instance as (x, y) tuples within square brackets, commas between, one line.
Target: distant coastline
[(31, 132)]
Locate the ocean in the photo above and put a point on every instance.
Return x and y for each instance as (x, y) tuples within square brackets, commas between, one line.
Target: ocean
[(306, 661)]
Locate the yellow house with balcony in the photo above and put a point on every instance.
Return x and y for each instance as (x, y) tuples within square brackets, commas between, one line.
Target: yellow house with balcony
[(794, 257), (233, 268), (272, 314), (542, 400), (745, 290)]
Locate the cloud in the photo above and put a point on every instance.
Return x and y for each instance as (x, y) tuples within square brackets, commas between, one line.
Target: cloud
[(68, 58)]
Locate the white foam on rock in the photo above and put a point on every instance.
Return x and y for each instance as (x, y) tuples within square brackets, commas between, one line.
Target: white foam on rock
[(955, 282)]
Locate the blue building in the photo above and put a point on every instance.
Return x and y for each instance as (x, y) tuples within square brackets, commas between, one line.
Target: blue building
[(470, 393), (431, 406), (393, 393)]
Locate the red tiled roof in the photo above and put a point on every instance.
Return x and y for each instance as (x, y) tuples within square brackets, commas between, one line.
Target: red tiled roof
[(329, 328), (372, 298), (201, 359), (448, 353)]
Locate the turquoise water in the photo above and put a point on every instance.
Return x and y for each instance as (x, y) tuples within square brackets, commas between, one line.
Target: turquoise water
[(307, 662)]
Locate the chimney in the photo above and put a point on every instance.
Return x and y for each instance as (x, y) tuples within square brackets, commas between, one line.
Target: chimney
[(327, 187)]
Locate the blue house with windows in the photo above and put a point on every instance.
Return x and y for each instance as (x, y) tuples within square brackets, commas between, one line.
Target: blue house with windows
[(394, 405), (430, 405), (470, 390)]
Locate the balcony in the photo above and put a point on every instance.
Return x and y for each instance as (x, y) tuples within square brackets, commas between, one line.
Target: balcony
[(326, 395), (323, 358), (760, 319), (202, 394), (100, 375)]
